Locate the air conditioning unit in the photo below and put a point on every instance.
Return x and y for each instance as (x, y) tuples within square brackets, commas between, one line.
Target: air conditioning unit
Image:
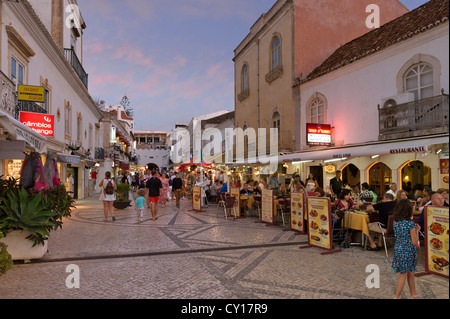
[(399, 99)]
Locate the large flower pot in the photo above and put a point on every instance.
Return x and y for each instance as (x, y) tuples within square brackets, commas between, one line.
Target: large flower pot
[(21, 248), (121, 205)]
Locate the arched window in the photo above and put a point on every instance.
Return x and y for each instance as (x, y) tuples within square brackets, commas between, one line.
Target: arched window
[(276, 120), (419, 80), (317, 111), (276, 53), (244, 78)]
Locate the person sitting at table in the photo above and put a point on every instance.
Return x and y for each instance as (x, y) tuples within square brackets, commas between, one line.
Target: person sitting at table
[(256, 190), (223, 187), (444, 194), (367, 193), (245, 190), (215, 191), (319, 192), (385, 208), (344, 203)]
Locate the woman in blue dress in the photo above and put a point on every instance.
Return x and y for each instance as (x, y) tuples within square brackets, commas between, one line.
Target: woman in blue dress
[(406, 240)]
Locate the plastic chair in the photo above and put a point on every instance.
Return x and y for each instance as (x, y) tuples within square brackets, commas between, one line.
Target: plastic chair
[(229, 204), (388, 233), (221, 202)]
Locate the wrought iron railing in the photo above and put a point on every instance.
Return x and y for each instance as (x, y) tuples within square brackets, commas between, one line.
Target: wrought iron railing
[(8, 95), (99, 153), (27, 106), (77, 66), (430, 113)]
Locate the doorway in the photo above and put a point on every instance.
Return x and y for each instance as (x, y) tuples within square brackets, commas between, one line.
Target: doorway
[(75, 182), (317, 172), (380, 176)]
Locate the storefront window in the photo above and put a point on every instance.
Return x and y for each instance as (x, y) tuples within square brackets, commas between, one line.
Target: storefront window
[(380, 176), (13, 168), (415, 175)]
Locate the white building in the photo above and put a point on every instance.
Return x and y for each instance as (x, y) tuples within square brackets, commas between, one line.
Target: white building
[(385, 96), (39, 49), (152, 148)]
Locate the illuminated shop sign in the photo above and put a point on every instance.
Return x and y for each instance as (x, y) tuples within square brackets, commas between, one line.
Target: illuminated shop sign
[(318, 134), (43, 124)]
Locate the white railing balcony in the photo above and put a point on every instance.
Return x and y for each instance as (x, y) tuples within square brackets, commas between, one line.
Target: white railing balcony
[(418, 118)]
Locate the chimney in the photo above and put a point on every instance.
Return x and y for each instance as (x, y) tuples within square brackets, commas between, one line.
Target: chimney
[(58, 23)]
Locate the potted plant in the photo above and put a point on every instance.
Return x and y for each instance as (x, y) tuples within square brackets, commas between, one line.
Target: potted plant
[(6, 262), (122, 199), (27, 217)]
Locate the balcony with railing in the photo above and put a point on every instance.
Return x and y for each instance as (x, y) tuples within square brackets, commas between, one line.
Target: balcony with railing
[(418, 118), (99, 153), (27, 106), (8, 95), (77, 66)]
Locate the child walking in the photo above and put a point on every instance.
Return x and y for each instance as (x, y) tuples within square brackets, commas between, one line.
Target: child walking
[(405, 254), (139, 205)]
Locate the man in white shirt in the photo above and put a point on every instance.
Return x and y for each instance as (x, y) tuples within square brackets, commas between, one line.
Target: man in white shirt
[(393, 189)]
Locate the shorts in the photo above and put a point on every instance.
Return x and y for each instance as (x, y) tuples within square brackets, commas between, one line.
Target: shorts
[(153, 199)]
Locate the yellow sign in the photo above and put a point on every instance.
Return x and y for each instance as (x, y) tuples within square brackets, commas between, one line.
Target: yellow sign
[(235, 192), (297, 213), (319, 222), (436, 232), (31, 93), (267, 206), (197, 198)]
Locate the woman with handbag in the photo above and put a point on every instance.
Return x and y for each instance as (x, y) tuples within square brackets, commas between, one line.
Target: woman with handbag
[(108, 195)]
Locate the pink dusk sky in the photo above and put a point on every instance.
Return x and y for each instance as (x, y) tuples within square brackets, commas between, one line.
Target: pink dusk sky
[(173, 59)]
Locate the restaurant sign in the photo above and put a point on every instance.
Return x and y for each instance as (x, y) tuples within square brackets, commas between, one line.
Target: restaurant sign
[(318, 134), (43, 124), (418, 149)]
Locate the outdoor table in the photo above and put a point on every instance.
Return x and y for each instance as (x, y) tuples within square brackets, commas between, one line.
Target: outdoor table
[(358, 221)]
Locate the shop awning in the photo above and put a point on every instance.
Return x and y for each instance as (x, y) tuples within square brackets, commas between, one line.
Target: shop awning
[(12, 150), (19, 132), (69, 159), (380, 148)]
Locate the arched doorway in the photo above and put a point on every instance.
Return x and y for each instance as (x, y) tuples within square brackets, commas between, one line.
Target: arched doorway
[(415, 175), (380, 176), (351, 175)]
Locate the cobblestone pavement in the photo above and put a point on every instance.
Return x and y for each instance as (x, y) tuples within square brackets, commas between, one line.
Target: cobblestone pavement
[(188, 255)]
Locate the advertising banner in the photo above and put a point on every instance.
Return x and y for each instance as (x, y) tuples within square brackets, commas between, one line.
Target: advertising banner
[(444, 173), (43, 124), (297, 212), (235, 192), (436, 240), (267, 206), (31, 93), (320, 232), (197, 198)]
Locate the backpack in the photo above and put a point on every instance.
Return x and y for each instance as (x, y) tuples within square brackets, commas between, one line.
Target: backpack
[(109, 189)]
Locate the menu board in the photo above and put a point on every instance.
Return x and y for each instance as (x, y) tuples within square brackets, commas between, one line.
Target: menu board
[(267, 206), (197, 198), (236, 193), (319, 222), (436, 239), (297, 211)]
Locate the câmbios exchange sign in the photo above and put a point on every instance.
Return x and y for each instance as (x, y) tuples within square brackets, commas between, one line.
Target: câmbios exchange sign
[(43, 124)]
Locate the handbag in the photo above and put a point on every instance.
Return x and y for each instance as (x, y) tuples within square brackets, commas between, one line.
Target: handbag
[(102, 195)]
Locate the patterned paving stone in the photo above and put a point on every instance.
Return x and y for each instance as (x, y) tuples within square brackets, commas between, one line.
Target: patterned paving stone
[(187, 255)]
